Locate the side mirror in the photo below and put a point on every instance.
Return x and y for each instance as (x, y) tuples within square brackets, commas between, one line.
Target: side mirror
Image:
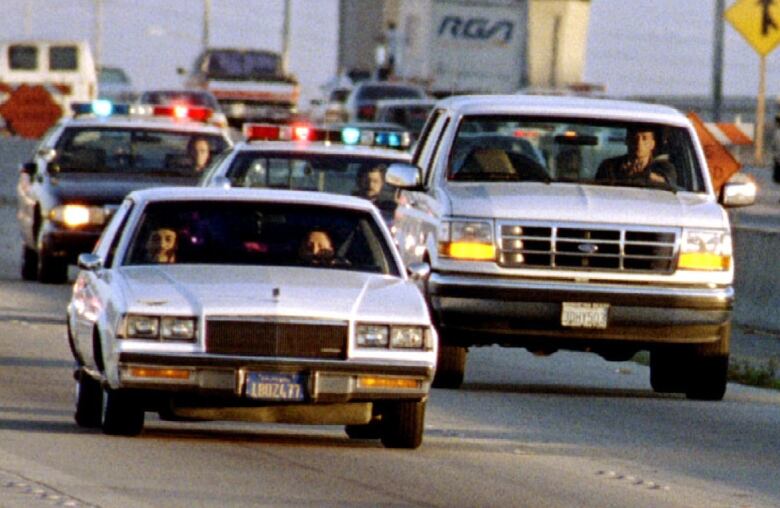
[(404, 176), (47, 154), (418, 271), (739, 190), (90, 262)]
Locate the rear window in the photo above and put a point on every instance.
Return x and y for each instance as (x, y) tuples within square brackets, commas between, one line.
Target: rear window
[(63, 58), (23, 58), (389, 92), (243, 64)]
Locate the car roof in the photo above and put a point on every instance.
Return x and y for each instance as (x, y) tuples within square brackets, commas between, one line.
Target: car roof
[(152, 123), (321, 149), (581, 107), (301, 197)]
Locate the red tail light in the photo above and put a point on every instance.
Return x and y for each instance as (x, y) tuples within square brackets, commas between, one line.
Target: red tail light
[(366, 112)]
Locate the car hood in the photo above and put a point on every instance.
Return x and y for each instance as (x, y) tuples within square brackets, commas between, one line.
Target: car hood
[(106, 188), (263, 291), (584, 203)]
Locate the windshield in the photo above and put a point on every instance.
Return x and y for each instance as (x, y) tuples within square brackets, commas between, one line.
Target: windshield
[(235, 64), (127, 150), (264, 234), (376, 92), (501, 148), (192, 97)]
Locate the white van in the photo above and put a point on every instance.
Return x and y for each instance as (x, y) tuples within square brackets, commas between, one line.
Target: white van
[(66, 67)]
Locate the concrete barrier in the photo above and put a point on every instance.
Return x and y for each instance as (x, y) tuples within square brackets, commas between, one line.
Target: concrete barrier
[(757, 278)]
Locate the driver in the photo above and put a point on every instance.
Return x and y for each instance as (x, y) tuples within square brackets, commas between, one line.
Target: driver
[(639, 163), (317, 249)]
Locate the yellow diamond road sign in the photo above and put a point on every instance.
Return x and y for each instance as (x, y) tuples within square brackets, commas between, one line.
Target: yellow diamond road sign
[(758, 21)]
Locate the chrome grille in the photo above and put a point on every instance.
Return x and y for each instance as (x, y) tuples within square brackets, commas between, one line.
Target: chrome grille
[(296, 339), (587, 247)]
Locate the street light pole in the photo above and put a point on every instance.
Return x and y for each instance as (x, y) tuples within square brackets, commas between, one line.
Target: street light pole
[(98, 32), (717, 62), (206, 22), (286, 38)]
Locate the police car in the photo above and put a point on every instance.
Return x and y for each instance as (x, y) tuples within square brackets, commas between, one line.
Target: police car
[(85, 165), (251, 304), (346, 160)]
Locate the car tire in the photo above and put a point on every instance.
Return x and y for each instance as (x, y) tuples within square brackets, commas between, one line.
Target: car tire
[(667, 372), (776, 172), (121, 414), (89, 401), (29, 264), (450, 367), (403, 424), (708, 377), (371, 430), (52, 269)]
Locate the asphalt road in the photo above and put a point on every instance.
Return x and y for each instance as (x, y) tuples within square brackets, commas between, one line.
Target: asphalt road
[(568, 430)]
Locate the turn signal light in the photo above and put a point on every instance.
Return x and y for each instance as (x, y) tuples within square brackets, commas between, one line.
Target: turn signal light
[(161, 373), (388, 382)]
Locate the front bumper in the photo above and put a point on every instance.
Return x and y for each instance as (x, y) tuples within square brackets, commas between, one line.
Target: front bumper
[(217, 377), (68, 243), (473, 310)]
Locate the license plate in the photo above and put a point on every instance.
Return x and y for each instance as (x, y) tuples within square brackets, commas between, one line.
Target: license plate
[(584, 314), (274, 386)]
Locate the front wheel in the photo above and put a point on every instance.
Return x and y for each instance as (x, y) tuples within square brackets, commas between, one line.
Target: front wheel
[(122, 415), (89, 401), (668, 371), (29, 264), (52, 269), (708, 377), (450, 367), (403, 424)]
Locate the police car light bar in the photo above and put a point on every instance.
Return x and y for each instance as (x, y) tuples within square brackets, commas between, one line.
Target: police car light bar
[(348, 135), (183, 112), (100, 108)]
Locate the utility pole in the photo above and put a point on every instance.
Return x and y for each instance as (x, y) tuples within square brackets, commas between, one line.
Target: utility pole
[(286, 38), (206, 22), (717, 62), (28, 12), (98, 32)]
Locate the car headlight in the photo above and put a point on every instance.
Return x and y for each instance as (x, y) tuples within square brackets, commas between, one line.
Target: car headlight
[(137, 326), (394, 336), (372, 335), (75, 215), (467, 240), (705, 250)]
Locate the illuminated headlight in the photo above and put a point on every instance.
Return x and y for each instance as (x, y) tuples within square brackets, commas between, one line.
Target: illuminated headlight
[(176, 328), (407, 337), (372, 335), (705, 250), (467, 240), (136, 326), (74, 216)]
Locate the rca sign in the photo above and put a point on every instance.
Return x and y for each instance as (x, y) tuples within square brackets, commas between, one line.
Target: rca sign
[(29, 110)]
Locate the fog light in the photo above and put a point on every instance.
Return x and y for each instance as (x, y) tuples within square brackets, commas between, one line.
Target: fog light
[(388, 382)]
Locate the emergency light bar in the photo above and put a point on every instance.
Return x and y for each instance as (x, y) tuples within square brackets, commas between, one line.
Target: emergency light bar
[(347, 136), (104, 108)]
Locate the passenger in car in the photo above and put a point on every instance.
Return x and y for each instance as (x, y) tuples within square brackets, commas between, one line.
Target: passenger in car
[(161, 245), (200, 153), (640, 164)]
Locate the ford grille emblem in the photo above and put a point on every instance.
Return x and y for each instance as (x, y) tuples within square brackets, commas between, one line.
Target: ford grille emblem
[(588, 248)]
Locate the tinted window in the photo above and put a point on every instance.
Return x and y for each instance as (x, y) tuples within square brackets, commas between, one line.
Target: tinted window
[(130, 151), (23, 58), (243, 64), (376, 92), (113, 75), (63, 58), (248, 233), (179, 96)]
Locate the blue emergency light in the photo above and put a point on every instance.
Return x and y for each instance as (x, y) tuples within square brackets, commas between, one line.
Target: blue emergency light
[(100, 107)]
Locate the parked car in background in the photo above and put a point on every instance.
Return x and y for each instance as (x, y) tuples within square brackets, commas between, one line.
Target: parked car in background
[(362, 100), (253, 304), (115, 85), (332, 108)]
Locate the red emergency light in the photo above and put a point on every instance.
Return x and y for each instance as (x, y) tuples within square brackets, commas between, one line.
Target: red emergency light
[(183, 112), (272, 132)]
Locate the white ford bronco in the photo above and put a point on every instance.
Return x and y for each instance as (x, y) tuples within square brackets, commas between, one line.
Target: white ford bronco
[(578, 224)]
